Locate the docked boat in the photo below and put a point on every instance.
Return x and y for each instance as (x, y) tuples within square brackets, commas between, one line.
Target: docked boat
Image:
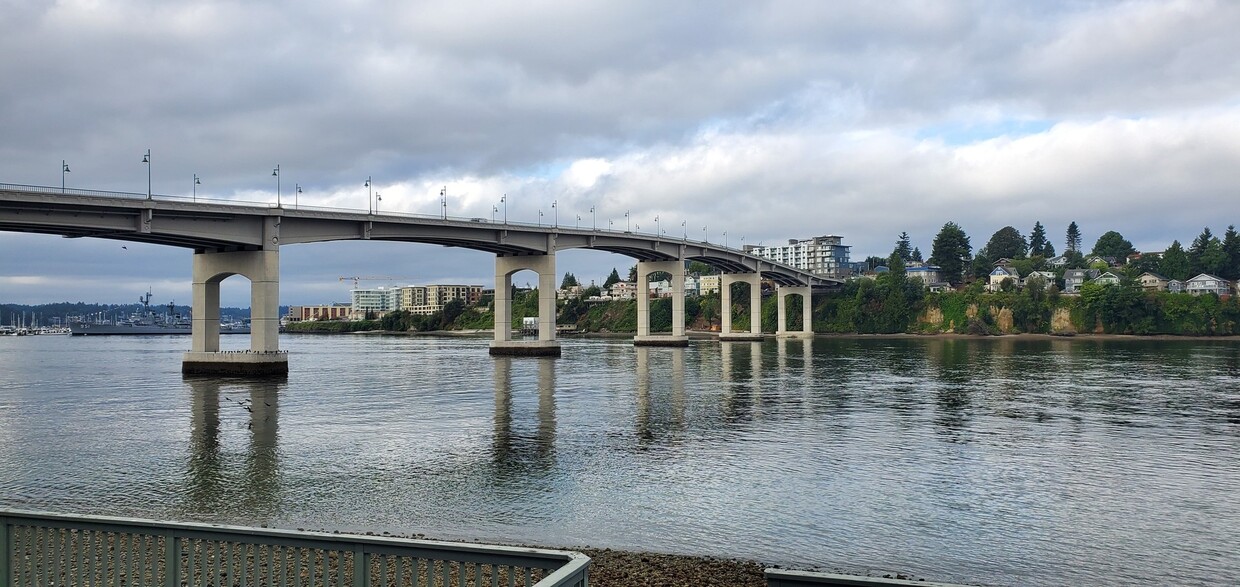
[(149, 321)]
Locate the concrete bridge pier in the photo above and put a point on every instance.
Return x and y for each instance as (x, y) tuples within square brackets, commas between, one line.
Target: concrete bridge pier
[(264, 358), (677, 338), (546, 345), (807, 327), (755, 306)]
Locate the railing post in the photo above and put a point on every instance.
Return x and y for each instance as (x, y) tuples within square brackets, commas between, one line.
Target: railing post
[(6, 553), (172, 559), (361, 567)]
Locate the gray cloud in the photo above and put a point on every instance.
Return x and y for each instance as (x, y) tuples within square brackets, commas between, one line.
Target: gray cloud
[(767, 120)]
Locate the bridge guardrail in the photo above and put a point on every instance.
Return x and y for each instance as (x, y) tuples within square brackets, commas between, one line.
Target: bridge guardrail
[(38, 548)]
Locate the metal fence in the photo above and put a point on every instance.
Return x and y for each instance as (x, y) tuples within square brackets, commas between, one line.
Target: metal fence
[(42, 550)]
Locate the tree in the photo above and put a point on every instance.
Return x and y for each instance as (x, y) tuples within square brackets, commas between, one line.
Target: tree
[(951, 251), (569, 281), (1038, 245), (1213, 258), (1174, 263), (1007, 242), (904, 249), (633, 273), (1231, 246), (1197, 249), (612, 279), (1074, 238), (1113, 244), (917, 255)]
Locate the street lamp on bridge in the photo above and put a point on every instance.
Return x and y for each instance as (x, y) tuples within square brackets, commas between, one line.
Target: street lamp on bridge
[(194, 187), (593, 219), (64, 168), (276, 173), (443, 201), (147, 159), (378, 200), (296, 193), (504, 200), (370, 197), (556, 210)]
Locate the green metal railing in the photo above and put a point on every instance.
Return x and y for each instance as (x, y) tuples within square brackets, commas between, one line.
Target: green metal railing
[(43, 550)]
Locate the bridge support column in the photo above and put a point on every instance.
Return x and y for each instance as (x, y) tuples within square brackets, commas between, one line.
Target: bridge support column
[(546, 345), (677, 337), (807, 327), (755, 306), (264, 358)]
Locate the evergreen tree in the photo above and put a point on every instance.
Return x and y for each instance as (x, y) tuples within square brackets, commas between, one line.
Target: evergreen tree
[(1007, 242), (569, 281), (904, 249), (1197, 249), (1038, 245), (1174, 263), (1074, 239), (1231, 246), (1214, 258), (612, 279), (917, 255), (951, 251)]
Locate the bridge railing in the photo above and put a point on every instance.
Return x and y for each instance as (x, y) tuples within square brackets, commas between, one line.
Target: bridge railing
[(39, 549)]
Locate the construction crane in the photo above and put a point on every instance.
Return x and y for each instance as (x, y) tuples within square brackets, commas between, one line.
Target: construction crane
[(359, 278)]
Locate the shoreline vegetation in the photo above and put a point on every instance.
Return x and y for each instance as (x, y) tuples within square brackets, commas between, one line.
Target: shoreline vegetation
[(891, 305)]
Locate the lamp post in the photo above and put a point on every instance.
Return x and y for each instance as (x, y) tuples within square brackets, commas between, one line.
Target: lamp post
[(540, 216), (684, 230), (197, 182), (276, 174), (147, 159), (705, 235), (608, 224), (556, 210), (64, 168), (725, 239), (369, 196), (593, 219), (658, 228), (628, 226), (378, 200), (296, 193), (494, 209), (578, 221), (443, 202), (504, 200)]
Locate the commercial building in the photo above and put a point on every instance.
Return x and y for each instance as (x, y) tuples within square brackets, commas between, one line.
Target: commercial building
[(337, 311), (821, 255), (374, 301)]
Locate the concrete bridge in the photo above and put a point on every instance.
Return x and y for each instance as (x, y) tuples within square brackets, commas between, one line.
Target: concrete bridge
[(236, 238)]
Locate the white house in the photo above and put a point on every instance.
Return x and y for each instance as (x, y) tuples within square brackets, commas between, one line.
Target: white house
[(1206, 283)]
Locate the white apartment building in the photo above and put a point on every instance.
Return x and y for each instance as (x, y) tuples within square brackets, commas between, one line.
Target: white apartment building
[(379, 300), (821, 255)]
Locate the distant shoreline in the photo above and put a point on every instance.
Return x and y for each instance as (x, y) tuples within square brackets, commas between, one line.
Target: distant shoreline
[(705, 334)]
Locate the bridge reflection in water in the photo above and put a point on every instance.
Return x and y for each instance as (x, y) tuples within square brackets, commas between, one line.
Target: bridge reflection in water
[(220, 480)]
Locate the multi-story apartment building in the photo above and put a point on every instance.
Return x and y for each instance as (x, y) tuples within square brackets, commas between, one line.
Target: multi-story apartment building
[(379, 301), (338, 311), (821, 255), (428, 299)]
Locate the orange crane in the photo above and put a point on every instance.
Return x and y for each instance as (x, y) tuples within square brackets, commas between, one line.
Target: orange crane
[(359, 278)]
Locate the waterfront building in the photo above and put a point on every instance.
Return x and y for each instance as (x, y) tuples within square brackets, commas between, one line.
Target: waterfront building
[(412, 296), (927, 274), (1153, 281), (1206, 283), (1000, 274), (821, 255), (335, 311), (374, 301), (623, 290), (708, 284), (1073, 279)]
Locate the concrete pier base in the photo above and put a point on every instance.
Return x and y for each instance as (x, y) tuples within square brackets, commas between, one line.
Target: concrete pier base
[(236, 363), (513, 348), (661, 340), (741, 336)]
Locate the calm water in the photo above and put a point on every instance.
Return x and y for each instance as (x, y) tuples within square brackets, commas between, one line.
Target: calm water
[(991, 461)]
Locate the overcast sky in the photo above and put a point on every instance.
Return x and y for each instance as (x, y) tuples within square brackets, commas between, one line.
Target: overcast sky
[(768, 121)]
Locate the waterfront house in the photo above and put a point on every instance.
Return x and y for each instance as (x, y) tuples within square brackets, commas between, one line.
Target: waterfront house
[(1073, 279), (1048, 278), (1107, 278), (1057, 262), (1152, 282), (928, 274), (1000, 275), (1175, 286), (623, 290), (1206, 283)]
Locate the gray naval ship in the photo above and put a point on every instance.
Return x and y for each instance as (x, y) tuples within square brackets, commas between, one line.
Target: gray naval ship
[(149, 321)]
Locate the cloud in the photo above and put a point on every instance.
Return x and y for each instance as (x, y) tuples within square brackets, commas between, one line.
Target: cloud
[(763, 119)]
